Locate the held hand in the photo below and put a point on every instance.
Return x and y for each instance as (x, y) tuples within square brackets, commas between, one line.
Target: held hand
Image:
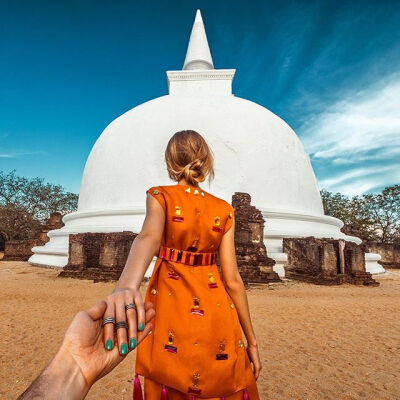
[(83, 342), (124, 305), (252, 351)]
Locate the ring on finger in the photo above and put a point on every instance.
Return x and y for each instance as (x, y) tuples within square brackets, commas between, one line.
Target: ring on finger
[(130, 305), (109, 320), (121, 324)]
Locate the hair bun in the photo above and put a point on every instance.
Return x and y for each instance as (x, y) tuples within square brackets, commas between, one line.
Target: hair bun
[(188, 156)]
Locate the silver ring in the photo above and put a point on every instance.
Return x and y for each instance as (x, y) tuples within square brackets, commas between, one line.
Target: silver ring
[(130, 305), (108, 320), (121, 324)]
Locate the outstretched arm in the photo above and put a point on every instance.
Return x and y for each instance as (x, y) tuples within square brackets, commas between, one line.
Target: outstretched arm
[(127, 289), (144, 247), (236, 290)]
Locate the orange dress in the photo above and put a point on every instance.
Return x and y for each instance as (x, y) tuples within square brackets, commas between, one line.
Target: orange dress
[(196, 349)]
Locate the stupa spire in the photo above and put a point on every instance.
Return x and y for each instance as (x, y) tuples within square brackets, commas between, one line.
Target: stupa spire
[(198, 54)]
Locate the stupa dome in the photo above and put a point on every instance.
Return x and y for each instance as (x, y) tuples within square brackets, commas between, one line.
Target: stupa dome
[(255, 151)]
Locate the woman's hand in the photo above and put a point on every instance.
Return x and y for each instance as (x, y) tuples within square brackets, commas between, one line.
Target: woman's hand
[(252, 351), (135, 319)]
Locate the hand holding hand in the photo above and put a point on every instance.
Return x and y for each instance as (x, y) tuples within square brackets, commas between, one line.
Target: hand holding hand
[(125, 305), (83, 341), (82, 358)]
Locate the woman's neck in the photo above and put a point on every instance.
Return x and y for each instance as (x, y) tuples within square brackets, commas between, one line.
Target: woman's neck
[(183, 182)]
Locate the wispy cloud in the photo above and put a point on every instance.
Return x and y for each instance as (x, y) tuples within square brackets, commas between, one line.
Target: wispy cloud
[(357, 140), (21, 153)]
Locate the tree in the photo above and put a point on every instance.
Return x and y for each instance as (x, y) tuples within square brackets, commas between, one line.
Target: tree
[(384, 209), (25, 204), (375, 216)]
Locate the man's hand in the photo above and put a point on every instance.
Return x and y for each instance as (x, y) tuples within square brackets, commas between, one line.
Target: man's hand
[(83, 341), (82, 358)]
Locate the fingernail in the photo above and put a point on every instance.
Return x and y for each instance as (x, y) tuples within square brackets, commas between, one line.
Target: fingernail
[(124, 348), (109, 344), (141, 327), (132, 343)]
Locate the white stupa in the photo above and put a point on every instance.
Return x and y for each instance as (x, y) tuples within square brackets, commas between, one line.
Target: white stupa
[(255, 152)]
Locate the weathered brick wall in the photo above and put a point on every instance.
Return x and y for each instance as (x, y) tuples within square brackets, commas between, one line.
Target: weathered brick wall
[(390, 254), (326, 261), (19, 250), (98, 256), (251, 254)]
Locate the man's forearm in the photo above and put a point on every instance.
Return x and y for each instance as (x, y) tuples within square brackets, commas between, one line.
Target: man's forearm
[(61, 380), (143, 249)]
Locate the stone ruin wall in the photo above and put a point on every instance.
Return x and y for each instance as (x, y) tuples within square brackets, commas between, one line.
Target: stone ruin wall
[(98, 256), (390, 254), (326, 261)]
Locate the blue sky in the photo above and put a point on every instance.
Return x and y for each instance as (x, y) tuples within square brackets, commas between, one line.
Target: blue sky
[(330, 69)]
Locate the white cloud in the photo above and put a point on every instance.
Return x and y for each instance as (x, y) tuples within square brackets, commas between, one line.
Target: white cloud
[(363, 129), (16, 154), (360, 180)]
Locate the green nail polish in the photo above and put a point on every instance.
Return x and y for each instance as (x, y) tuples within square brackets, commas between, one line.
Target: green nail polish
[(109, 344), (141, 327), (132, 343), (124, 348)]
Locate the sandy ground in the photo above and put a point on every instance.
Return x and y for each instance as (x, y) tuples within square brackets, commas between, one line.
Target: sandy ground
[(316, 342)]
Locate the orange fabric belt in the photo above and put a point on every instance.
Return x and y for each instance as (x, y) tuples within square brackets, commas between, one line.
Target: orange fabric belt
[(187, 257)]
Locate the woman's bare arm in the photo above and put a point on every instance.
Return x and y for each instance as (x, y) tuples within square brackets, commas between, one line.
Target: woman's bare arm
[(144, 247), (236, 290), (127, 289), (234, 284)]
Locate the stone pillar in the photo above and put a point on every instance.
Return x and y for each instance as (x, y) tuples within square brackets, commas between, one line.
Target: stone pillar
[(251, 253)]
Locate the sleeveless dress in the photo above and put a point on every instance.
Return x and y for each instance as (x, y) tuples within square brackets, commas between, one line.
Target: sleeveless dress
[(208, 357)]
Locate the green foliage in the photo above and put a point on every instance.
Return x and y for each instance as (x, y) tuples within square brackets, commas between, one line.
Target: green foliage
[(25, 204), (375, 216)]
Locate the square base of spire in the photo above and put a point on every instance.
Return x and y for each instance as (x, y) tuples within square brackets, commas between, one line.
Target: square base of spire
[(216, 82)]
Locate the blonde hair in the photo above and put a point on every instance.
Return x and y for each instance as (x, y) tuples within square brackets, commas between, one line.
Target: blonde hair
[(188, 156)]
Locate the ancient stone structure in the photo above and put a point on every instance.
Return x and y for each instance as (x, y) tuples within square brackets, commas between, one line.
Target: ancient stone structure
[(18, 250), (54, 222), (326, 261), (390, 253), (98, 256), (251, 253), (21, 250)]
